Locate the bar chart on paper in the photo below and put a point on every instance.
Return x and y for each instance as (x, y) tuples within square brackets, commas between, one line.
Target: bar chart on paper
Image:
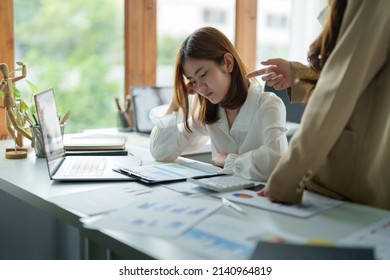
[(158, 215), (220, 237), (377, 235)]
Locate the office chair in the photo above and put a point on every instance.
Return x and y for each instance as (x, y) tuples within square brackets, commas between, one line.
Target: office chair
[(294, 111)]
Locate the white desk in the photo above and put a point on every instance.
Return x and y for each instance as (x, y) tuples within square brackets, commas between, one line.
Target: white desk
[(27, 180), (202, 153)]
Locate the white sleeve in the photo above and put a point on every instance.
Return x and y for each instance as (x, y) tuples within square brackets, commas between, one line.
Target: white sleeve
[(259, 163), (168, 139), (159, 119)]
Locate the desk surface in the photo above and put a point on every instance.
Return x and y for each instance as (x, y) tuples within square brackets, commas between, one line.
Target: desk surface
[(28, 180)]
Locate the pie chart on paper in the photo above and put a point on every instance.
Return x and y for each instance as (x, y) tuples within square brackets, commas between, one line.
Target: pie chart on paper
[(242, 195)]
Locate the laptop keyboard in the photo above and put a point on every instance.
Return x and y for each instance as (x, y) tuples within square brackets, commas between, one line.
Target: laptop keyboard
[(87, 167)]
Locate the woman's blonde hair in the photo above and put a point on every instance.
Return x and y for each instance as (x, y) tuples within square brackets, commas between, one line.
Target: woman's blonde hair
[(210, 44)]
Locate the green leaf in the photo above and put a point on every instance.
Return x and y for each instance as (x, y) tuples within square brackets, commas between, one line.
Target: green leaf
[(16, 92), (16, 70), (23, 105), (32, 86)]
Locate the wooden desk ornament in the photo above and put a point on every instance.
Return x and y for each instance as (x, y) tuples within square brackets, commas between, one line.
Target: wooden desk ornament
[(10, 105)]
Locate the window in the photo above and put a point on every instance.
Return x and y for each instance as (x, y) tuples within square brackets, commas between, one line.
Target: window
[(176, 19), (75, 47), (286, 28), (91, 52), (276, 21), (214, 16)]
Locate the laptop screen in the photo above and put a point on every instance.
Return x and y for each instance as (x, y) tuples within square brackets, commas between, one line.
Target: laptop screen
[(145, 98), (50, 128)]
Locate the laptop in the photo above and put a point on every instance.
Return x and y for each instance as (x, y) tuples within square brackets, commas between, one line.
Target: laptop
[(73, 168), (145, 98)]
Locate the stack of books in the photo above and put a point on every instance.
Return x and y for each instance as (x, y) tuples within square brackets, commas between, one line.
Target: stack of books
[(95, 144)]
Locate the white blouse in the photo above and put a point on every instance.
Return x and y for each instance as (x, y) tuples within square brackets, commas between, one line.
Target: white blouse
[(254, 143)]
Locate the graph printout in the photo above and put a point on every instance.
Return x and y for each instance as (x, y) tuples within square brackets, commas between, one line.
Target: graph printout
[(376, 235), (161, 215)]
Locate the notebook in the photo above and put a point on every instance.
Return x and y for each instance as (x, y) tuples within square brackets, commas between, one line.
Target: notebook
[(73, 168), (145, 98), (96, 144)]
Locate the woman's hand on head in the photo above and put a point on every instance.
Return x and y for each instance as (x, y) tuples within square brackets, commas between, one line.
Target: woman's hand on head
[(171, 108), (277, 74)]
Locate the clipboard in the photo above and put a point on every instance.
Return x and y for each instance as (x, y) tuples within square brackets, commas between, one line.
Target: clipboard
[(170, 172)]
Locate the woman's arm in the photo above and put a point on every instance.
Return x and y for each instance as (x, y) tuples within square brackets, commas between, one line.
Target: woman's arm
[(270, 123), (168, 140), (359, 54)]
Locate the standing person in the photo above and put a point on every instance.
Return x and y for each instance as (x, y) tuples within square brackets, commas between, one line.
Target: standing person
[(341, 149), (246, 125)]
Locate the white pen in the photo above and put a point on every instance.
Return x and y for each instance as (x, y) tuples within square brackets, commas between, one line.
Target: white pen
[(231, 204)]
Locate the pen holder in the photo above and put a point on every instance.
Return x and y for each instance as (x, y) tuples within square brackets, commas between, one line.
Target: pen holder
[(37, 140), (122, 122)]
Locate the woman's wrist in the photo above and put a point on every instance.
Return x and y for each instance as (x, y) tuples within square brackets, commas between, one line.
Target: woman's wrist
[(172, 107)]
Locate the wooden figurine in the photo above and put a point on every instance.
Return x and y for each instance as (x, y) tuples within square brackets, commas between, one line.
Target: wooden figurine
[(9, 105)]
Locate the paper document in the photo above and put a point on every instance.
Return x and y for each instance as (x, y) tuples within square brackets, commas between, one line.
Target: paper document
[(186, 188), (103, 200), (161, 215), (311, 203), (220, 237), (376, 235), (227, 238)]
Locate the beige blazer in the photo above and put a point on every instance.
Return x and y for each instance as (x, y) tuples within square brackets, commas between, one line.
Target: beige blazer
[(342, 148)]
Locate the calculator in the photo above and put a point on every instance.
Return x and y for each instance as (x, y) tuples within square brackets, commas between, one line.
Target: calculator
[(223, 183)]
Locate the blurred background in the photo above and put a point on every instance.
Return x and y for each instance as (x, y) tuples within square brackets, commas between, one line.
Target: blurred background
[(77, 46)]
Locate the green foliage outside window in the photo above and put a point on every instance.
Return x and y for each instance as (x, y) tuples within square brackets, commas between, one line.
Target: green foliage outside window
[(167, 49), (75, 47)]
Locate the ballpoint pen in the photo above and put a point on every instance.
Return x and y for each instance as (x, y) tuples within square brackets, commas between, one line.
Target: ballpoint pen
[(128, 111), (227, 202), (63, 120), (118, 105), (121, 171), (35, 119), (27, 118)]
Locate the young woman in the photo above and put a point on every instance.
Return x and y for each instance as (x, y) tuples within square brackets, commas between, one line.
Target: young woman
[(342, 147), (246, 126)]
